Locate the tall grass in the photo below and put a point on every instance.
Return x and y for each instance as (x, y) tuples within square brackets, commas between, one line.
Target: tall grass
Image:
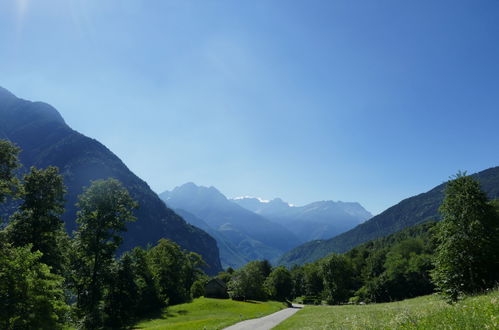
[(428, 312)]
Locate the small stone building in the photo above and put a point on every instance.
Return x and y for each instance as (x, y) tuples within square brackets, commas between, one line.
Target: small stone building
[(215, 288)]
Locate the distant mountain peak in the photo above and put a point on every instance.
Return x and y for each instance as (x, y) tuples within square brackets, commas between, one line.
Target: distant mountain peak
[(261, 200)]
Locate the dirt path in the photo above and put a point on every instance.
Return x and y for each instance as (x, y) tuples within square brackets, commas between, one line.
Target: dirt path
[(266, 322)]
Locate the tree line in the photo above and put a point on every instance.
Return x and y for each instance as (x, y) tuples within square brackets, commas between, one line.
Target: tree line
[(49, 280), (455, 257)]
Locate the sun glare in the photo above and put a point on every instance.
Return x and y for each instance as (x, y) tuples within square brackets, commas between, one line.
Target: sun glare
[(22, 6)]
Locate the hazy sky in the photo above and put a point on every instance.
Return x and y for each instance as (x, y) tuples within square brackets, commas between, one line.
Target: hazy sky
[(368, 101)]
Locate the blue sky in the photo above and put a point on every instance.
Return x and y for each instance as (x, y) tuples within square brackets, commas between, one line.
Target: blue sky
[(368, 101)]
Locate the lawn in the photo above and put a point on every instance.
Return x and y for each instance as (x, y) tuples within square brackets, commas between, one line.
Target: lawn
[(428, 312), (206, 313)]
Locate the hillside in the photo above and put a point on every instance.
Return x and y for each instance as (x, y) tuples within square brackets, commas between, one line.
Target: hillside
[(45, 139), (407, 213), (427, 312), (229, 254), (318, 220), (251, 235)]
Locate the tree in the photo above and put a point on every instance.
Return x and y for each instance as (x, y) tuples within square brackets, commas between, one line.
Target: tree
[(337, 273), (38, 220), (104, 209), (8, 164), (279, 284), (148, 300), (31, 297), (120, 301), (265, 267), (197, 289), (298, 277), (312, 279), (172, 269), (466, 258), (247, 283)]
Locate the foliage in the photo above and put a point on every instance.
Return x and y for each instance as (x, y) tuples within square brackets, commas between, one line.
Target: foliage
[(208, 313), (38, 220), (120, 300), (105, 208), (8, 164), (337, 272), (148, 300), (407, 213), (226, 275), (31, 297), (174, 271), (467, 255), (391, 268), (109, 293), (279, 284), (297, 279), (197, 289), (247, 282), (45, 139), (427, 312), (313, 281)]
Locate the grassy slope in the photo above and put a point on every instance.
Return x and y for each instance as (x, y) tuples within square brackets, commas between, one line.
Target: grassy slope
[(428, 312), (206, 313)]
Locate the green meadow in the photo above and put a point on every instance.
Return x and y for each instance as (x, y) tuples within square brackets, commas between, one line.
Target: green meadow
[(427, 312), (206, 313)]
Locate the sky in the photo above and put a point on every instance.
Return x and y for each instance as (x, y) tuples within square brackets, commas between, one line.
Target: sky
[(367, 101)]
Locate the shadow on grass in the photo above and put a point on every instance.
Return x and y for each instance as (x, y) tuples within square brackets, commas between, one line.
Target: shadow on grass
[(161, 315)]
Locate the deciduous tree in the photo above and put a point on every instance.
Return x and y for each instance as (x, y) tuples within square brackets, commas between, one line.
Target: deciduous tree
[(466, 258), (8, 164), (38, 221), (105, 208), (279, 284)]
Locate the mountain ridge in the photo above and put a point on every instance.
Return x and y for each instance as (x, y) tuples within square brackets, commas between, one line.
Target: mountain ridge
[(45, 139), (320, 219), (253, 236), (406, 213)]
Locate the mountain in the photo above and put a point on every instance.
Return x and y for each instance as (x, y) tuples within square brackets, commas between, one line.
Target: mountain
[(408, 212), (229, 255), (318, 220), (45, 139), (251, 235)]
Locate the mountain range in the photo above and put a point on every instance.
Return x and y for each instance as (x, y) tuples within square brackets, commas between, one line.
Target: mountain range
[(250, 235), (45, 139), (318, 220), (247, 229), (409, 212)]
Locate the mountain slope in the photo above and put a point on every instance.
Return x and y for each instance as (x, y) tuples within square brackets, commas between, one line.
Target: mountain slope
[(253, 236), (407, 213), (229, 256), (318, 220), (45, 139)]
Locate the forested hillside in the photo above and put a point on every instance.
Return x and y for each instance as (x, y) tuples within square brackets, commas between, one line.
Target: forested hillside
[(45, 139), (407, 213)]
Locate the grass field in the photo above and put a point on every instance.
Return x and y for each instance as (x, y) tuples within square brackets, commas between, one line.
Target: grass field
[(205, 313), (428, 312)]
